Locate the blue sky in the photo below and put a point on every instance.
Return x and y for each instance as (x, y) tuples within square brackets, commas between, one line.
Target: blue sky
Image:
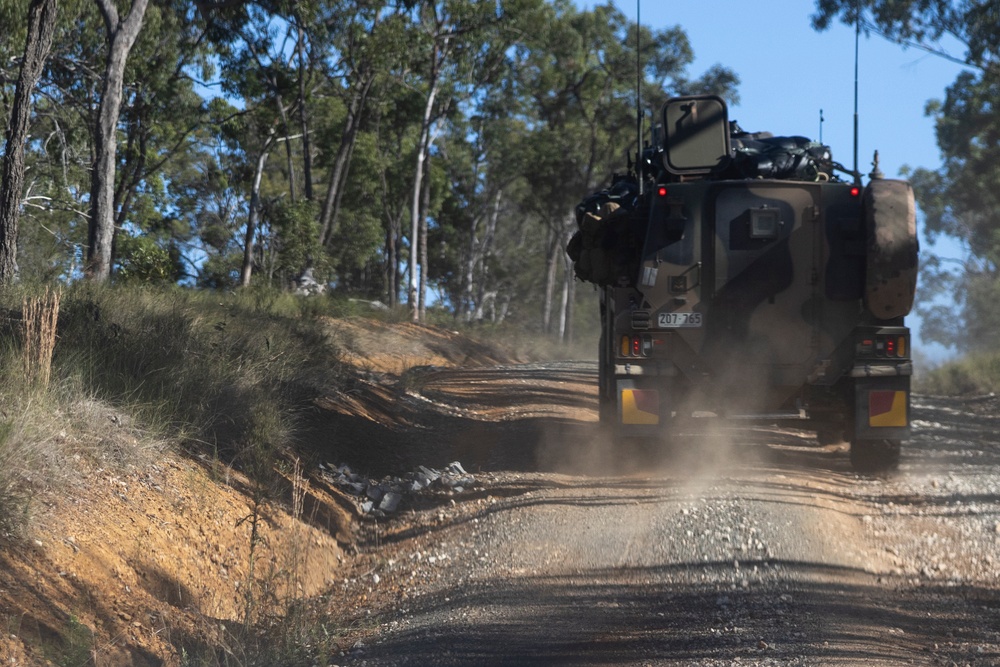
[(789, 72)]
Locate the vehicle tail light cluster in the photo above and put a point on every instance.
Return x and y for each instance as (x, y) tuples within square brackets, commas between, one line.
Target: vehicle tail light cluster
[(887, 346), (636, 346)]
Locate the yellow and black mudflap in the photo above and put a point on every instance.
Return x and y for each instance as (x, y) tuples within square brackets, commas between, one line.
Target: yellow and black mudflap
[(640, 407), (882, 408)]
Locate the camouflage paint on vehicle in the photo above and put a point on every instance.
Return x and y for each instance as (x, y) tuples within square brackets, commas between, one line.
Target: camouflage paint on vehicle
[(771, 298)]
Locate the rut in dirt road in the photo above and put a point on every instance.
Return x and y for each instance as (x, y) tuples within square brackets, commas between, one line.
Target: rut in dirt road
[(735, 546)]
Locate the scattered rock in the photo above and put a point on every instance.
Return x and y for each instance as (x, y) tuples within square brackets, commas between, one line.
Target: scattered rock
[(384, 496), (390, 502), (307, 285)]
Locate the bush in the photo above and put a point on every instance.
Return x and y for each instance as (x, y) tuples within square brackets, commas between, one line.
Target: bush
[(978, 373)]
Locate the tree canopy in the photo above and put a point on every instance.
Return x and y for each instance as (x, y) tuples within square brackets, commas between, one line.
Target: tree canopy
[(961, 198), (370, 144)]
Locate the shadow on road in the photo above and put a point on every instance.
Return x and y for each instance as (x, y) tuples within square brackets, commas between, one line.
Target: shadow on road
[(637, 615), (533, 419), (521, 421)]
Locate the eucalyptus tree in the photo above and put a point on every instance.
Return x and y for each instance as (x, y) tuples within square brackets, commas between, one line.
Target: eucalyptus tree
[(59, 156), (208, 204), (73, 162), (257, 44), (393, 114), (38, 39), (454, 45), (579, 71), (164, 125), (366, 44), (484, 154), (120, 35), (961, 198)]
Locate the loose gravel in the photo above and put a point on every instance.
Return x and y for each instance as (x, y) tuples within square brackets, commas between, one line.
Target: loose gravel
[(775, 554)]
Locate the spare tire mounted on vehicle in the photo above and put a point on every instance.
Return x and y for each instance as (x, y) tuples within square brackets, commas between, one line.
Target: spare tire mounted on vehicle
[(890, 216)]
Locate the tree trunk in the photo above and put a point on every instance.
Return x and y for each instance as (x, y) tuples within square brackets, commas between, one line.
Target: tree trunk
[(563, 305), (425, 204), (289, 156), (486, 249), (412, 296), (304, 120), (393, 250), (569, 297), (550, 279), (571, 304), (391, 263), (248, 246), (504, 308), (341, 163), (130, 180), (467, 307), (41, 26), (423, 150), (121, 37)]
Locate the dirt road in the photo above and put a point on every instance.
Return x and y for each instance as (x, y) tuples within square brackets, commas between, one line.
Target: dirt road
[(748, 546)]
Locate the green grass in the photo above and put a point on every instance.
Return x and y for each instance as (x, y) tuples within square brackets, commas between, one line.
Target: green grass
[(978, 373), (221, 374)]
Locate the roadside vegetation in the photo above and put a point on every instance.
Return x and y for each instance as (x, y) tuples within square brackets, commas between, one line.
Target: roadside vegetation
[(976, 374), (119, 377), (222, 375), (228, 376)]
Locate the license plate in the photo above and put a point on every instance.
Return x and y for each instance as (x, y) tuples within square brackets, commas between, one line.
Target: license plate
[(679, 320)]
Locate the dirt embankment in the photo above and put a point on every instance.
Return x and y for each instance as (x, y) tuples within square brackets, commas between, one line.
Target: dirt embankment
[(161, 560), (140, 565)]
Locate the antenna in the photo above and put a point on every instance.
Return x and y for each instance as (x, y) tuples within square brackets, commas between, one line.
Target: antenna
[(638, 100), (857, 38), (821, 119)]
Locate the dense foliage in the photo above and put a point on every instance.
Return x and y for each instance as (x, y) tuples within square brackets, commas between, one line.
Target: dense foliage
[(960, 199), (421, 150)]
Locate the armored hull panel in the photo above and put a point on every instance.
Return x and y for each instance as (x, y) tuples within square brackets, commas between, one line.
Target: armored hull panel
[(748, 282), (737, 279)]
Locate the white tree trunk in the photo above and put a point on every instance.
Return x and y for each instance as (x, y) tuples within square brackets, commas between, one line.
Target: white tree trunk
[(423, 149), (121, 37), (248, 246)]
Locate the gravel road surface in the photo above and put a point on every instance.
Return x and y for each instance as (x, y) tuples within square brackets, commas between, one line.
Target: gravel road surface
[(735, 545)]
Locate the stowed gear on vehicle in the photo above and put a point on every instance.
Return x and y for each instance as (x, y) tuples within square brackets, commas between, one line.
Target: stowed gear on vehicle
[(747, 280)]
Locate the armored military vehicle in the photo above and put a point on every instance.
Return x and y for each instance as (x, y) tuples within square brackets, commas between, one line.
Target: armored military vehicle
[(741, 277)]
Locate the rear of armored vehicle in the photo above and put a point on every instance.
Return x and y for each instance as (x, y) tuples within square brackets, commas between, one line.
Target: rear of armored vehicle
[(762, 299)]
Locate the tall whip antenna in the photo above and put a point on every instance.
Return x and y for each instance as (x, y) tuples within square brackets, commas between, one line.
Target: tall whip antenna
[(857, 38), (638, 101)]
